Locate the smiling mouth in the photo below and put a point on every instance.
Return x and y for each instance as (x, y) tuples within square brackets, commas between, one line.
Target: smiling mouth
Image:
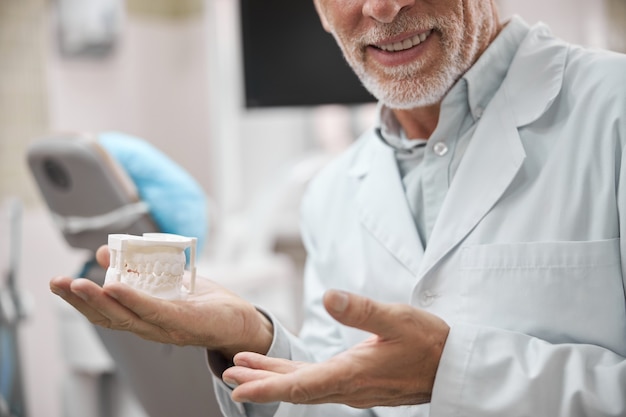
[(405, 44)]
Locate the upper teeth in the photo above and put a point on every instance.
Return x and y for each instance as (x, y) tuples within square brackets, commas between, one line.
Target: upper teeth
[(406, 44)]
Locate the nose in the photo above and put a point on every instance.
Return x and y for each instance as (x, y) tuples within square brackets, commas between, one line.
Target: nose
[(385, 11)]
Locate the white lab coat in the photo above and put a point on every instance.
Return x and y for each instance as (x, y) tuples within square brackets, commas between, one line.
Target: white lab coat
[(524, 261)]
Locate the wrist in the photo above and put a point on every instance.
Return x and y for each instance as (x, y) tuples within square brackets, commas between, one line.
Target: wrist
[(258, 338), (265, 334)]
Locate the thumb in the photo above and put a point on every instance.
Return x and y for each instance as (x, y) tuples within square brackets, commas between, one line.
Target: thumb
[(102, 256), (360, 312)]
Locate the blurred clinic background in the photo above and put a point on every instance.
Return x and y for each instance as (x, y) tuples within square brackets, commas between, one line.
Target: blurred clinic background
[(250, 97)]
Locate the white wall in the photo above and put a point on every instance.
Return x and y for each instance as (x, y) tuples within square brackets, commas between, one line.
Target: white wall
[(248, 145), (154, 86), (577, 21)]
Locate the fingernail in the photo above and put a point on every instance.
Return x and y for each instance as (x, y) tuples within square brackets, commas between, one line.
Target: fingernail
[(58, 292), (82, 295), (241, 399), (339, 302), (230, 382), (241, 362)]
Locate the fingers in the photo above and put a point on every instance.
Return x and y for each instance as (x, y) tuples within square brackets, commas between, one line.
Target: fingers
[(238, 375), (263, 379), (141, 303), (107, 311), (361, 312), (251, 366), (103, 256), (309, 384), (164, 314), (94, 303), (258, 361), (61, 286)]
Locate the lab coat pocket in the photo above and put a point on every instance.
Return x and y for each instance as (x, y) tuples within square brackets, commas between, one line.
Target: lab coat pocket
[(559, 291)]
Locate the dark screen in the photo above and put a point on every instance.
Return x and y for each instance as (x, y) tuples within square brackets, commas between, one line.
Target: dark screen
[(289, 60)]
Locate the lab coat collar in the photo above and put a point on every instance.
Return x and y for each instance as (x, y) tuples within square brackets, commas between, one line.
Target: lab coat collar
[(536, 75), (486, 171), (487, 74)]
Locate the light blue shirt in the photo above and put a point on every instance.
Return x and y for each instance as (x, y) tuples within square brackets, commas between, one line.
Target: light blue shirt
[(427, 166)]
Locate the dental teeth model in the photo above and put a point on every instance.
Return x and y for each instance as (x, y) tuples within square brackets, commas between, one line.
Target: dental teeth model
[(153, 263)]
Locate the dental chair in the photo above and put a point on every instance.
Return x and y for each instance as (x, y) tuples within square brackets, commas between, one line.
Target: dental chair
[(95, 185)]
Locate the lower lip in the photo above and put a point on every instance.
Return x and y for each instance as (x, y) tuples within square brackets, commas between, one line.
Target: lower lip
[(391, 59)]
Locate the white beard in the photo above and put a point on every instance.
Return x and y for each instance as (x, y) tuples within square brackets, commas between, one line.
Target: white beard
[(409, 86), (410, 91)]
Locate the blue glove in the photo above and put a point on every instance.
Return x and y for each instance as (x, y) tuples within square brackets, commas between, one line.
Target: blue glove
[(177, 202)]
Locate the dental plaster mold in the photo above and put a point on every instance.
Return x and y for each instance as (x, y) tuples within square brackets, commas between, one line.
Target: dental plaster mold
[(153, 263)]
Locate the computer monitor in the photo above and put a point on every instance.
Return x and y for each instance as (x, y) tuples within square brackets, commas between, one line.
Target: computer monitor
[(289, 60)]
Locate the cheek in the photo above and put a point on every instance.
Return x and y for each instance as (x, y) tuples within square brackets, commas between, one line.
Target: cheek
[(471, 31), (342, 17), (479, 22)]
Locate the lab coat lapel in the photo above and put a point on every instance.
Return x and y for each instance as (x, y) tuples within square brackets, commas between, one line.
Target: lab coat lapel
[(488, 167), (492, 160), (382, 205)]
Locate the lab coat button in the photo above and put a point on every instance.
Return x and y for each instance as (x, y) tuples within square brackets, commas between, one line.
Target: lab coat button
[(427, 298), (440, 148)]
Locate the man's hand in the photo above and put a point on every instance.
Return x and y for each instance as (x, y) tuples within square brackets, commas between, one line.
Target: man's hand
[(396, 366), (212, 317)]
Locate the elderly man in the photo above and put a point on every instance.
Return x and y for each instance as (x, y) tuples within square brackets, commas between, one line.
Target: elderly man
[(464, 256)]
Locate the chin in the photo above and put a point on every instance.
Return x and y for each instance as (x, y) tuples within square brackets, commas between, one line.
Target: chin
[(411, 104), (400, 99), (413, 90)]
